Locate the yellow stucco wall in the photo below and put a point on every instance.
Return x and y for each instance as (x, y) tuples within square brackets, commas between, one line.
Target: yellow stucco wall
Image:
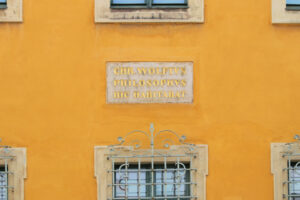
[(52, 92)]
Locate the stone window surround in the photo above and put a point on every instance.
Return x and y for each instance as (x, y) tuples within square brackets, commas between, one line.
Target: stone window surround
[(102, 164), (18, 167), (193, 14), (282, 16)]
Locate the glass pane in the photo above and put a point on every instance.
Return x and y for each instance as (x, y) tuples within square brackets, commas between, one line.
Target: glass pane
[(293, 2), (168, 1), (124, 2), (2, 1)]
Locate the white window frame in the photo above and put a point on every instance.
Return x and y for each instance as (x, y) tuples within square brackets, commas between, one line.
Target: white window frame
[(282, 16), (193, 14)]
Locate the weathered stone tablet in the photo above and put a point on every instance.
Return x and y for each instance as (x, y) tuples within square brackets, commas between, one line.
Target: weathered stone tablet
[(149, 82)]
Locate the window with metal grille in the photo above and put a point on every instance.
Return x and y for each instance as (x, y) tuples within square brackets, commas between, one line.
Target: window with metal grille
[(294, 180), (149, 3), (3, 182), (3, 4), (167, 169), (152, 181), (293, 4)]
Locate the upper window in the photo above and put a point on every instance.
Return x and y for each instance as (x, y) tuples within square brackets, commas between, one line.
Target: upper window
[(293, 4), (285, 11), (3, 4), (176, 172), (149, 3), (12, 173), (152, 11)]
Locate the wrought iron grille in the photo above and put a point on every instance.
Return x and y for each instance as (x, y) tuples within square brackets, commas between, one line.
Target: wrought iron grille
[(291, 183), (6, 176), (152, 173)]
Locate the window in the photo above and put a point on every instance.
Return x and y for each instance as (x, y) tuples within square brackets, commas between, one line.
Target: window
[(3, 4), (149, 11), (285, 11), (293, 4), (285, 166), (294, 179), (4, 182), (172, 172), (12, 173), (149, 3), (11, 11), (144, 181)]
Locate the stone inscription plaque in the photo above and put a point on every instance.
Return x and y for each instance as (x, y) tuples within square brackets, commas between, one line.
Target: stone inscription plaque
[(149, 82)]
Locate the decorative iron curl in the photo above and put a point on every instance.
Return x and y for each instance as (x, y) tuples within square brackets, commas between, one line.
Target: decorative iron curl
[(5, 148), (152, 136), (290, 146)]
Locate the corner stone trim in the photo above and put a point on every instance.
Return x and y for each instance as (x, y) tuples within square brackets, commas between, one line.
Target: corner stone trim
[(13, 12)]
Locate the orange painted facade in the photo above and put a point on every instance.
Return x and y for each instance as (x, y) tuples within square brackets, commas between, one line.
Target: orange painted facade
[(52, 92)]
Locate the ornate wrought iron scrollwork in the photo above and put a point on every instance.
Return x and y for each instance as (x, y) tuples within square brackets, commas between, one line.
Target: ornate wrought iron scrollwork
[(136, 144)]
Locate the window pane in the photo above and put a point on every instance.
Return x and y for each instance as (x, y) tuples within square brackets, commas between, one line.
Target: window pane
[(168, 1), (128, 2), (2, 1), (293, 2)]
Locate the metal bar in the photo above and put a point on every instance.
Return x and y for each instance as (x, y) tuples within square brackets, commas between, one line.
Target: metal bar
[(139, 176), (149, 170), (177, 179), (168, 197), (289, 166), (152, 156), (126, 179), (165, 178), (145, 184), (152, 177), (113, 177), (191, 177)]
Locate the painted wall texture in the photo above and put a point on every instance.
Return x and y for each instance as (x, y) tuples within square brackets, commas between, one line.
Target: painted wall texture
[(52, 92)]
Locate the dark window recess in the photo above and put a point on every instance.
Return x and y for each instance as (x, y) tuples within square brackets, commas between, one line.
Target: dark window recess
[(149, 4), (3, 4), (149, 182), (292, 4)]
